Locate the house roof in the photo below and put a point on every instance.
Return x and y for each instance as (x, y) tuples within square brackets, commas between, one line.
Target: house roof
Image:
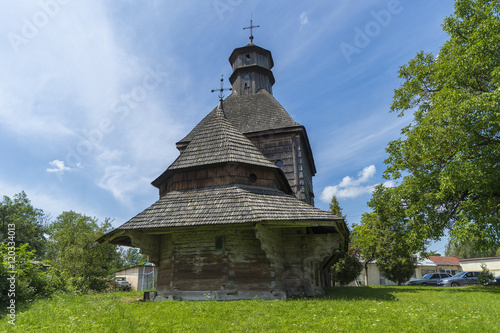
[(451, 261), (251, 113), (231, 204)]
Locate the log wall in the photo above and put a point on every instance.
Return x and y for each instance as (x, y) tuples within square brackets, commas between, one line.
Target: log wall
[(217, 176)]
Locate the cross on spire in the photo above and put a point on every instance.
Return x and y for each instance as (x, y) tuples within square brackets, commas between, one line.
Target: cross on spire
[(221, 89), (251, 28)]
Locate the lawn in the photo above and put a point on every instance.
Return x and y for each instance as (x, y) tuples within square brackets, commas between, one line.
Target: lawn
[(347, 309)]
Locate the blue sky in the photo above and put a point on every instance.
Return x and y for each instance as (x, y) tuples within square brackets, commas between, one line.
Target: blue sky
[(94, 94)]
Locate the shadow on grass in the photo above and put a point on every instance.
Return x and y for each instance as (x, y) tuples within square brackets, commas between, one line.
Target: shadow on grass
[(389, 293)]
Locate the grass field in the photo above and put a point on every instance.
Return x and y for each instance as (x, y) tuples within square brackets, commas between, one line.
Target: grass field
[(347, 309)]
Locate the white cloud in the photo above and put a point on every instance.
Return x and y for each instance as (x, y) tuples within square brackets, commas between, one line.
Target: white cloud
[(58, 167), (123, 183), (304, 19), (353, 188)]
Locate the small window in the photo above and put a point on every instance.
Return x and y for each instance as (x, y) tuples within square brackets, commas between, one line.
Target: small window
[(247, 57), (220, 243), (279, 163), (247, 81), (252, 178)]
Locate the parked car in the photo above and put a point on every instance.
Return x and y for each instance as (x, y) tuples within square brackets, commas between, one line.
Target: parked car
[(121, 284), (124, 285), (430, 279), (495, 282), (460, 279)]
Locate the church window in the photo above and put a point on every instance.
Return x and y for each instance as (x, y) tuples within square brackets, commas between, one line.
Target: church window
[(247, 81), (278, 163), (252, 178), (220, 243), (247, 58)]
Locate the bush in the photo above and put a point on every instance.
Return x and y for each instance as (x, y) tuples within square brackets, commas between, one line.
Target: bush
[(81, 285), (485, 276), (347, 269), (30, 281)]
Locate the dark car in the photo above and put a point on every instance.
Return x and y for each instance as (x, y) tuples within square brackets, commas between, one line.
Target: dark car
[(430, 279), (460, 279), (495, 282)]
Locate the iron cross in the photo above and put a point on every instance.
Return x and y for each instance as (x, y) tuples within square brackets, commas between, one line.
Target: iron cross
[(221, 89), (251, 28)]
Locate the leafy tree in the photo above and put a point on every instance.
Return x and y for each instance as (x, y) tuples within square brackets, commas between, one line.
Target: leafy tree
[(383, 235), (468, 249), (133, 257), (28, 222), (347, 268), (73, 247), (364, 240), (396, 268), (447, 162)]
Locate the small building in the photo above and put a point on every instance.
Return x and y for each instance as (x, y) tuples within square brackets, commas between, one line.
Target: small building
[(141, 277), (474, 264)]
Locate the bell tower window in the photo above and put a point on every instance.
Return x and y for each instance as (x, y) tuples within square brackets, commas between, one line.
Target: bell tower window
[(247, 81), (247, 58)]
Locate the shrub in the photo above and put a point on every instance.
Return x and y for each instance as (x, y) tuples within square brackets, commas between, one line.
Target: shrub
[(485, 276), (82, 285), (347, 269), (30, 281)]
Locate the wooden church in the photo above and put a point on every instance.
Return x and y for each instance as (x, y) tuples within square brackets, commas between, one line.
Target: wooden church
[(235, 218)]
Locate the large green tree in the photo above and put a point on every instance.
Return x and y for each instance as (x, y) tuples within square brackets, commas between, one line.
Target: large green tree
[(447, 162), (28, 222), (383, 236), (73, 247), (348, 267)]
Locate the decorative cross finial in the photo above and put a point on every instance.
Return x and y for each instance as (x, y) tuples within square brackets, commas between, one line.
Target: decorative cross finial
[(221, 89), (251, 28)]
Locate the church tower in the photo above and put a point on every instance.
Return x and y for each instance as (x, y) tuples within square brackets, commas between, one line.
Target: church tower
[(253, 110), (251, 70)]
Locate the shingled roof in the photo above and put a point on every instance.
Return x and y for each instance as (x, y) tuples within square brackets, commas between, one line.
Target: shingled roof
[(251, 113), (438, 260), (217, 141), (231, 204)]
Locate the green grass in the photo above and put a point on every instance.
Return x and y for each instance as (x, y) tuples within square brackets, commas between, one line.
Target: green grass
[(347, 309)]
